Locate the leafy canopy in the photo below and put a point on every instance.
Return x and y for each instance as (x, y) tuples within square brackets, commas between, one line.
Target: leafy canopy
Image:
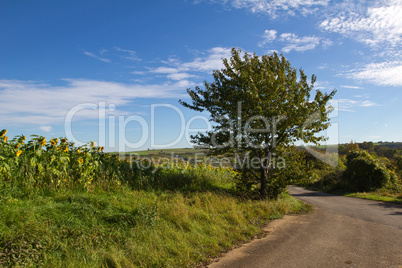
[(258, 103), (258, 107)]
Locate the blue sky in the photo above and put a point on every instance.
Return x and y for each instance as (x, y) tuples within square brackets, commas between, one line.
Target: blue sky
[(113, 71)]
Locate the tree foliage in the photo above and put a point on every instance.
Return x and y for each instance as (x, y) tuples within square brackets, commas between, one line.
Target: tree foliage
[(365, 173), (257, 106)]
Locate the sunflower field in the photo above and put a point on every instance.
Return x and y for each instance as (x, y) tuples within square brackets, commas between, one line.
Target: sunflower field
[(39, 166)]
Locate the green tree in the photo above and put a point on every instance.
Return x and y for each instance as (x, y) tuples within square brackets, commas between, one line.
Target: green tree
[(353, 146), (258, 106)]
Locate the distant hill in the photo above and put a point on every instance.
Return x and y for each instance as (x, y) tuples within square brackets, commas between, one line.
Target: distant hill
[(391, 145)]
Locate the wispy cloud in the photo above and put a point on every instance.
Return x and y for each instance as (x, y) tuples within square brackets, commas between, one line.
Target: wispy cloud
[(384, 73), (209, 62), (138, 72), (116, 53), (351, 87), (274, 8), (96, 57), (52, 103), (323, 66), (165, 70), (268, 37), (46, 128), (292, 41), (180, 76), (297, 43), (127, 54), (347, 105), (380, 24), (206, 63)]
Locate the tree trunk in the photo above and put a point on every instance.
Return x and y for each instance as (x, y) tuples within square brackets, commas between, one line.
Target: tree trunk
[(263, 180)]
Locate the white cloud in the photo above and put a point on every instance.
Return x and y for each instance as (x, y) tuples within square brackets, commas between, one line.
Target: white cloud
[(268, 37), (322, 85), (184, 83), (96, 57), (210, 60), (274, 8), (138, 72), (179, 76), (348, 104), (165, 70), (367, 103), (115, 53), (293, 41), (352, 87), (46, 128), (182, 72), (299, 43), (379, 24), (364, 96), (326, 42), (385, 73), (127, 54), (323, 66), (39, 104)]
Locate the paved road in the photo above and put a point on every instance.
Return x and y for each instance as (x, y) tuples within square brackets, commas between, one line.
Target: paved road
[(341, 232)]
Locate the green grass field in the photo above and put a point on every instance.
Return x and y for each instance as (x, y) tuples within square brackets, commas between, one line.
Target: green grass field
[(177, 151), (130, 228), (67, 206)]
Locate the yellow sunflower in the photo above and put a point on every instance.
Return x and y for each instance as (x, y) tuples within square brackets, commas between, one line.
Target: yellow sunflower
[(3, 132), (42, 141)]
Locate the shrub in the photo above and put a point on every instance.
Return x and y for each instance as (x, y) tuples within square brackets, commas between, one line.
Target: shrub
[(286, 168), (365, 173), (330, 181)]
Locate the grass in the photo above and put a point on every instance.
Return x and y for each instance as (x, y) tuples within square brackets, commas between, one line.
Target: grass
[(383, 196), (176, 151), (130, 228), (67, 206)]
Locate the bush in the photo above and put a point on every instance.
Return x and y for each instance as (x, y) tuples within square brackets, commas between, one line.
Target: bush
[(247, 183), (288, 167), (365, 173), (330, 181)]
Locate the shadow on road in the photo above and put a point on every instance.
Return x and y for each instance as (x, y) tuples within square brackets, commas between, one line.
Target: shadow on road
[(387, 205), (313, 194)]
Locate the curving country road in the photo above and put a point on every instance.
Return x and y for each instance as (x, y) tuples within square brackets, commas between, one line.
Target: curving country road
[(341, 232)]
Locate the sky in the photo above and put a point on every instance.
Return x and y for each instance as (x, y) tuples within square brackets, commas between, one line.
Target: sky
[(113, 71)]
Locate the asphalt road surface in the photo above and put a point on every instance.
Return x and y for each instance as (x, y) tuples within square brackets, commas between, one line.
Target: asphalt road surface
[(341, 232)]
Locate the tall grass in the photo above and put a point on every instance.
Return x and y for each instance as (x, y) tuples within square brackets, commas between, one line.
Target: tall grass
[(67, 206), (130, 228)]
